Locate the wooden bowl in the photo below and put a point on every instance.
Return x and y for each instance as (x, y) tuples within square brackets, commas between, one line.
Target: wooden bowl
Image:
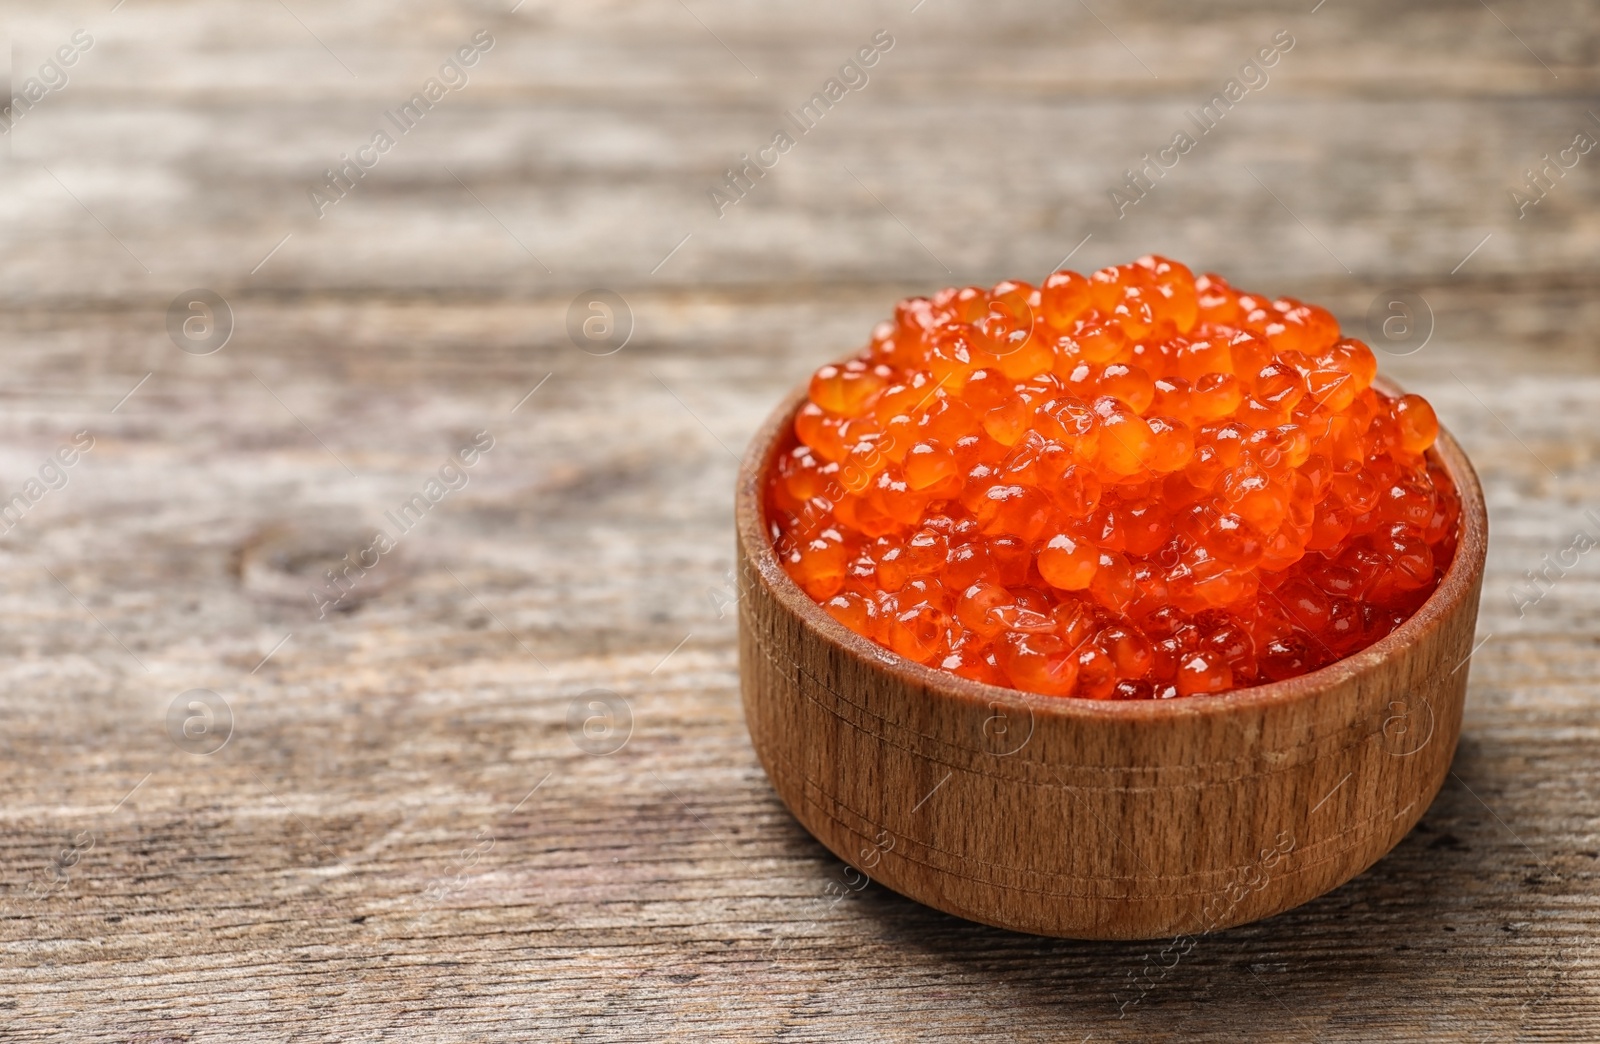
[(1092, 819)]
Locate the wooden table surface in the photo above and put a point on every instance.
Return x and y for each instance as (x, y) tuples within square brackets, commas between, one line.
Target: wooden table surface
[(418, 828)]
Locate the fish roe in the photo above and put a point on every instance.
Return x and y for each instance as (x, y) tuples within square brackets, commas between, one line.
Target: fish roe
[(1137, 484)]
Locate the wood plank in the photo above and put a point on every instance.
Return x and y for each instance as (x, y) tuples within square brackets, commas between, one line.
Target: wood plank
[(308, 880)]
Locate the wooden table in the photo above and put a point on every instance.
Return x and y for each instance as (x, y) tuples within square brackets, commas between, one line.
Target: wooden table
[(418, 827)]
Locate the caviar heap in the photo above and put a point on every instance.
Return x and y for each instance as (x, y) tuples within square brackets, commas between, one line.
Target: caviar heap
[(1135, 485)]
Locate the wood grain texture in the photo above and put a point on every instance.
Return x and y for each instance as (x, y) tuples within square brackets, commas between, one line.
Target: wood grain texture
[(1086, 819), (321, 877)]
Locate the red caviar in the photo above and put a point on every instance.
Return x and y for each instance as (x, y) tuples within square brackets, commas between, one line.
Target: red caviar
[(1133, 485)]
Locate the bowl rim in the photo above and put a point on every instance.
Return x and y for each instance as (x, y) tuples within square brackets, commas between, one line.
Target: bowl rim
[(1461, 581)]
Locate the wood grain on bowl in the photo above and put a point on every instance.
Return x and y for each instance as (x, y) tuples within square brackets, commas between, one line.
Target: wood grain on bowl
[(1097, 819)]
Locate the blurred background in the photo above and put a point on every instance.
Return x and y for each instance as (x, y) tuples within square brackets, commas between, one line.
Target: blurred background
[(267, 269)]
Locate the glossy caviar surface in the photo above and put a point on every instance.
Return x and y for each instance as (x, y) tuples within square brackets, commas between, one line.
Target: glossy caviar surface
[(1137, 484)]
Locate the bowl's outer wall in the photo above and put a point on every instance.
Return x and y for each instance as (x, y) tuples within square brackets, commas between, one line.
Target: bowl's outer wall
[(1096, 820)]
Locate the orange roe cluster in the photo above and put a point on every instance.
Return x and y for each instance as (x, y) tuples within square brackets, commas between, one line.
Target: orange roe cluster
[(1135, 485)]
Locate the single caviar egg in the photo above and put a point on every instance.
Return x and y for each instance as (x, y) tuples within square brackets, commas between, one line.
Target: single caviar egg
[(1138, 484)]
